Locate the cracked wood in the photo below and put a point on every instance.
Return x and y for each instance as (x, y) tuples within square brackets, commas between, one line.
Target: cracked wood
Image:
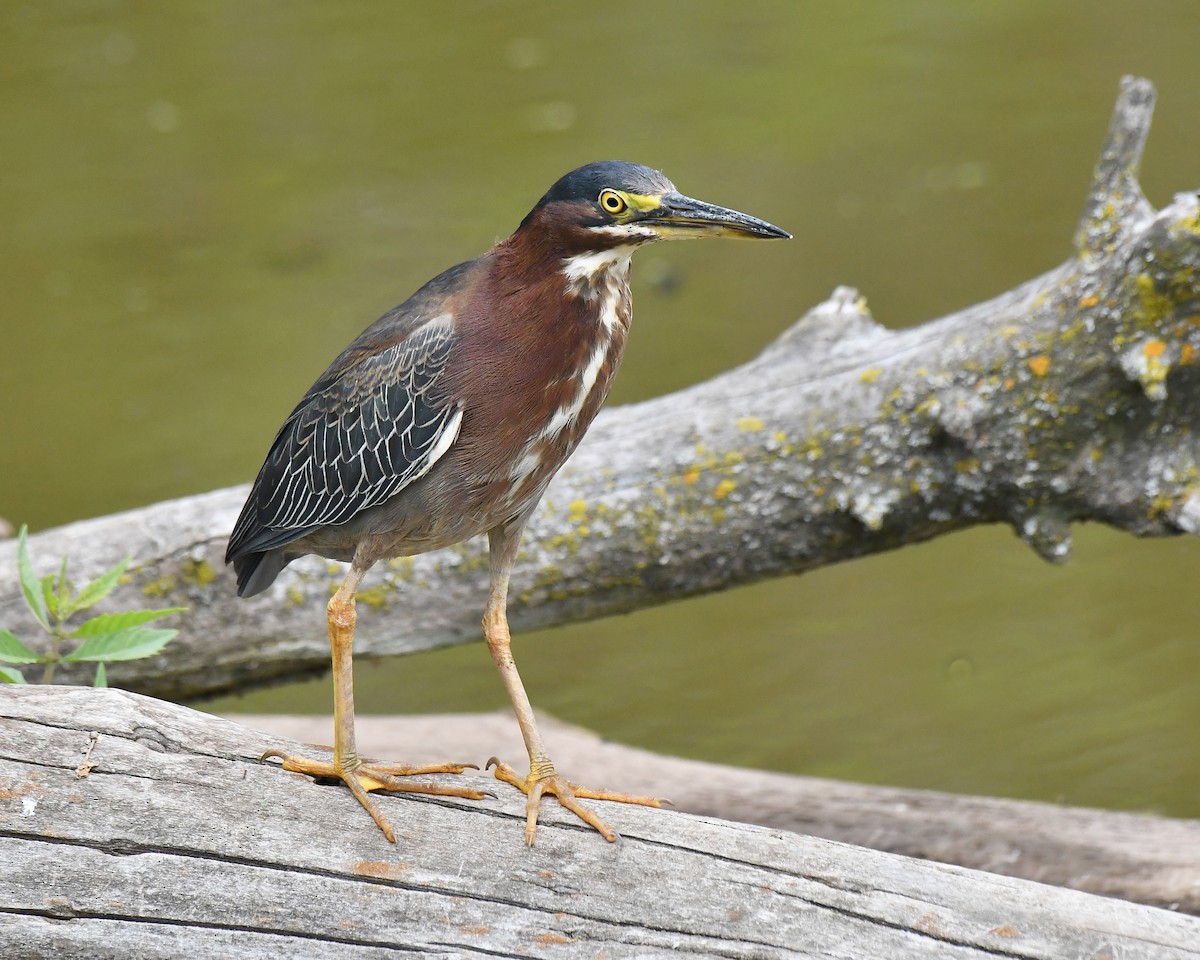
[(181, 842)]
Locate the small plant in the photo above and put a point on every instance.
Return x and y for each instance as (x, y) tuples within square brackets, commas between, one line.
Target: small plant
[(100, 639)]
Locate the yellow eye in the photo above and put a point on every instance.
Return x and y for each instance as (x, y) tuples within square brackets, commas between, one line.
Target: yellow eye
[(613, 202)]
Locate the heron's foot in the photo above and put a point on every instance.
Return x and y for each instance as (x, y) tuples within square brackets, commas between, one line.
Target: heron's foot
[(364, 775), (543, 779)]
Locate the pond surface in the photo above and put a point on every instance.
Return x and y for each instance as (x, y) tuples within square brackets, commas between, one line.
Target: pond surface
[(204, 203)]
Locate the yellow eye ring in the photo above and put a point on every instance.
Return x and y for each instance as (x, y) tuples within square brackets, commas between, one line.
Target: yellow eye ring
[(612, 202)]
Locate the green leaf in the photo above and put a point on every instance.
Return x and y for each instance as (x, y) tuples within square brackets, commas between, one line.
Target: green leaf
[(101, 676), (115, 622), (9, 675), (50, 594), (132, 644), (98, 589), (31, 586), (63, 593), (13, 650)]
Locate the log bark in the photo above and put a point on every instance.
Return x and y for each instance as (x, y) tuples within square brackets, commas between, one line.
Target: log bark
[(130, 827), (1073, 397), (1147, 859)]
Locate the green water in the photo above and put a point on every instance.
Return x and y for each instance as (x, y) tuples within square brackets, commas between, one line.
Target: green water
[(203, 203)]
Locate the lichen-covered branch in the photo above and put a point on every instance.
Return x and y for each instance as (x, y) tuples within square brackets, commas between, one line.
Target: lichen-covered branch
[(1073, 397)]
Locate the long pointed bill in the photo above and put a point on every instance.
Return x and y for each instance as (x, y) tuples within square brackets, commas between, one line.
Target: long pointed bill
[(680, 217)]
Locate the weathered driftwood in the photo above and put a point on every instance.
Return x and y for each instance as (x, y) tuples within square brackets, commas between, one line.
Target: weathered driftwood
[(130, 827), (1075, 396), (1152, 860)]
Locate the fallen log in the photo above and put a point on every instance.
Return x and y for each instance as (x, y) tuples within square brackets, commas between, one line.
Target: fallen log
[(1148, 859), (1073, 397), (130, 827)]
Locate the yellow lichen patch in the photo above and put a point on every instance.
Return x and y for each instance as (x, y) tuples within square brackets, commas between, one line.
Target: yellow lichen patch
[(564, 541), (724, 489), (691, 475), (649, 524), (970, 465), (1161, 505), (1187, 354), (1039, 364), (375, 597), (1154, 306), (1097, 453), (295, 597), (1190, 224), (577, 511), (1009, 383), (160, 587), (870, 375), (1149, 363), (782, 446), (548, 576), (198, 573), (1087, 302), (1074, 330), (402, 566), (750, 424)]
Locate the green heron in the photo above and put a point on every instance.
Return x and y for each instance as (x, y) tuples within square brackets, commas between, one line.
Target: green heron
[(447, 418)]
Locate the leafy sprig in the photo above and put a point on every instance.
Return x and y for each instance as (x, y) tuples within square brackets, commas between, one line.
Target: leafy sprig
[(101, 639)]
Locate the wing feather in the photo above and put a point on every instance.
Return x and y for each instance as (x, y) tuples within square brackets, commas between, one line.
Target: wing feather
[(358, 438)]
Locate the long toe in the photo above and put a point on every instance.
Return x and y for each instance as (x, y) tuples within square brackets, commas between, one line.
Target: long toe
[(587, 793), (406, 770), (382, 777), (568, 795), (363, 777)]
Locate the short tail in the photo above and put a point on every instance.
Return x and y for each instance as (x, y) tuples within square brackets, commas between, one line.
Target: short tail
[(257, 571)]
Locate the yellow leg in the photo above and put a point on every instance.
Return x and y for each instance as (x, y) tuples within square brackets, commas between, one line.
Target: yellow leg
[(542, 778), (362, 775)]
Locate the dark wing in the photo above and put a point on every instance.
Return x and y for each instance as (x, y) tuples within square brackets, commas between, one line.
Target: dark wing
[(369, 427)]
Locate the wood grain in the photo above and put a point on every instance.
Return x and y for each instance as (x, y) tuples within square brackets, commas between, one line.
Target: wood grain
[(179, 842)]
